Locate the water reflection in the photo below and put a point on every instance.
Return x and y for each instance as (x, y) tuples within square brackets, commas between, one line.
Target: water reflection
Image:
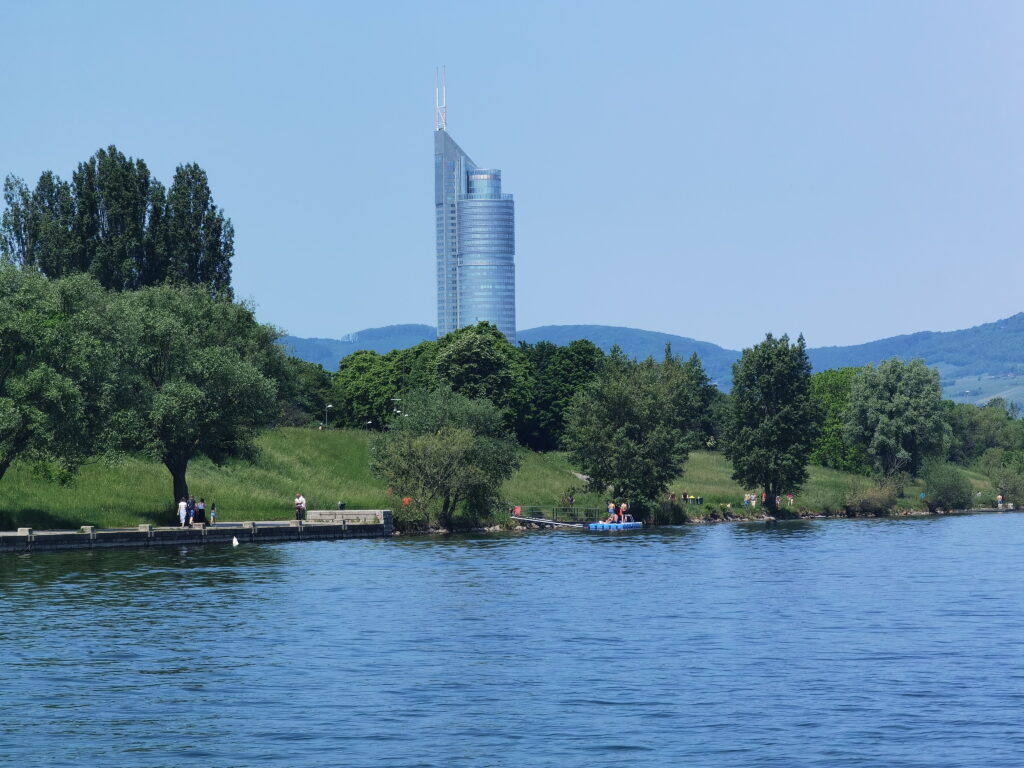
[(779, 528)]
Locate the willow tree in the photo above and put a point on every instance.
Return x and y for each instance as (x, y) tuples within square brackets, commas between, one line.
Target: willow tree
[(55, 375), (198, 376)]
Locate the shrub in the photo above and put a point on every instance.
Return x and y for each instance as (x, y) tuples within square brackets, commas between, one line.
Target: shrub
[(946, 485), (872, 500)]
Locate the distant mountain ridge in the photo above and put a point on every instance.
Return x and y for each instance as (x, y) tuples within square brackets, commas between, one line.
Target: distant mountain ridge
[(975, 363)]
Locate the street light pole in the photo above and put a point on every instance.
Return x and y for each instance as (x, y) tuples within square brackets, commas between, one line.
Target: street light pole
[(326, 408)]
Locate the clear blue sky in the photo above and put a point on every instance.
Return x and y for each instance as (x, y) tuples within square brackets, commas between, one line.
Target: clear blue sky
[(849, 170)]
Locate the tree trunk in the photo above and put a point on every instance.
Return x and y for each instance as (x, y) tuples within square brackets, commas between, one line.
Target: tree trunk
[(445, 517), (177, 467)]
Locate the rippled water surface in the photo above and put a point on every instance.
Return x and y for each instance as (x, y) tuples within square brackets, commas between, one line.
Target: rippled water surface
[(845, 643)]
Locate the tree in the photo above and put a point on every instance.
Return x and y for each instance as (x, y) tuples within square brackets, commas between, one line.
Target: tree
[(557, 374), (895, 415), (830, 394), (772, 423), (363, 388), (631, 428), (198, 239), (112, 216), (445, 452), (477, 361), (118, 223), (303, 392), (198, 376), (54, 375), (1006, 471), (946, 485)]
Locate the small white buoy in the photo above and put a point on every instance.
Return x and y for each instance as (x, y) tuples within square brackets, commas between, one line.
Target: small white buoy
[(234, 541)]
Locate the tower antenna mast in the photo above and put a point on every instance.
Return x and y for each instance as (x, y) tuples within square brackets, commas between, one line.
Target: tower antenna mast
[(440, 100)]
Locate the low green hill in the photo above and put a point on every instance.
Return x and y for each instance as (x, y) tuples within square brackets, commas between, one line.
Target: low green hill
[(328, 467)]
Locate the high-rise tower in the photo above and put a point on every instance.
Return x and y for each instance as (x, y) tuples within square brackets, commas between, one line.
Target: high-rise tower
[(476, 273)]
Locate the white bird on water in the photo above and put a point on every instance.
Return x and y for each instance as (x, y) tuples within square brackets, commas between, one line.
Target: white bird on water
[(234, 541)]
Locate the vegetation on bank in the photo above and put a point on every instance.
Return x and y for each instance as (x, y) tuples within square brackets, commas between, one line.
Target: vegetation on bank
[(333, 466), (120, 341)]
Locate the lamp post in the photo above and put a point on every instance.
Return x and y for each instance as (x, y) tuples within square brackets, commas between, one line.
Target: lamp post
[(326, 408)]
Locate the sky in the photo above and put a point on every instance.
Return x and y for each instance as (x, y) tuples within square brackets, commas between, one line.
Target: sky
[(848, 170)]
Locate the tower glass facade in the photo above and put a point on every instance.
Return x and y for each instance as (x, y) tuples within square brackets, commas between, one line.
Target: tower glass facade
[(475, 243)]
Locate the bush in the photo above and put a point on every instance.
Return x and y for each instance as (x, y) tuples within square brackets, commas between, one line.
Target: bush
[(946, 485), (873, 500)]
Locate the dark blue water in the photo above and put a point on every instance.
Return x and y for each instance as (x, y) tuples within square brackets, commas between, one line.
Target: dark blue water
[(846, 643)]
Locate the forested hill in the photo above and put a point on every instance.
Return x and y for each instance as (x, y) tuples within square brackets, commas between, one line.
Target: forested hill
[(992, 348), (329, 352), (634, 342), (639, 344), (975, 363)]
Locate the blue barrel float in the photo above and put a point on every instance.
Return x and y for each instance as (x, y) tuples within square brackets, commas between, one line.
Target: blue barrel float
[(613, 526)]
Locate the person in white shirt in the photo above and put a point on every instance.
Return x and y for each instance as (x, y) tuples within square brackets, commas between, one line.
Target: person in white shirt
[(182, 511), (300, 507)]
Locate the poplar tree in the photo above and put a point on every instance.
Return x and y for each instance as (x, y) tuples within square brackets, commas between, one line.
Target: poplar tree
[(116, 222)]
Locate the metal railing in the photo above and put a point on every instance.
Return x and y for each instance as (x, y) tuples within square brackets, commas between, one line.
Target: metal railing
[(565, 514)]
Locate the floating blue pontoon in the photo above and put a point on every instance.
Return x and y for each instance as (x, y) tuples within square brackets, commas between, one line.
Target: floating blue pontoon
[(613, 526)]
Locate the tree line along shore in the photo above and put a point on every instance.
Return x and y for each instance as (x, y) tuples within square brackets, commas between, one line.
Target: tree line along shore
[(122, 350), (333, 466)]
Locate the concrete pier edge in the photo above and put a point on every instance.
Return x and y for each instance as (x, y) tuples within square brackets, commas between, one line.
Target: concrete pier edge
[(319, 525)]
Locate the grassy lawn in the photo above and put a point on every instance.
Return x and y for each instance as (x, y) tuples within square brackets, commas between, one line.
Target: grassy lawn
[(328, 467)]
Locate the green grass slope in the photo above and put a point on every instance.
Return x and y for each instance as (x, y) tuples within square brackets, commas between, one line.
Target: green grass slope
[(328, 467)]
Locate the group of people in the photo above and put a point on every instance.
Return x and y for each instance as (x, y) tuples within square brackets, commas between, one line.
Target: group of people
[(191, 512), (750, 500), (618, 516)]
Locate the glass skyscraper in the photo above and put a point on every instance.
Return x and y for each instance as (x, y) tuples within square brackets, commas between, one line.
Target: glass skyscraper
[(476, 272)]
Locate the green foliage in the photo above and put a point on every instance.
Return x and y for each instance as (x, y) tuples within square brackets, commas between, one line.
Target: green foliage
[(557, 374), (871, 500), (1005, 469), (54, 377), (977, 429), (304, 391), (362, 389), (117, 223), (895, 415), (448, 454), (830, 394), (477, 361), (632, 427), (946, 486), (772, 422), (198, 241), (198, 376)]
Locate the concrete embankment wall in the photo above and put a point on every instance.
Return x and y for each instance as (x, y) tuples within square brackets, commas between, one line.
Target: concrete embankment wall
[(355, 524)]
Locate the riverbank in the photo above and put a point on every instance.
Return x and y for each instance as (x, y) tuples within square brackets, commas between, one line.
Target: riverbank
[(334, 466)]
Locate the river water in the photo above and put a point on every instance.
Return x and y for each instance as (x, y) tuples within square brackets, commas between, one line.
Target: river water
[(842, 643)]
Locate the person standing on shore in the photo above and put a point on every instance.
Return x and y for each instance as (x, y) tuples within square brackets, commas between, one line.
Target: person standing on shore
[(213, 513), (300, 507), (201, 511), (190, 511), (182, 511)]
